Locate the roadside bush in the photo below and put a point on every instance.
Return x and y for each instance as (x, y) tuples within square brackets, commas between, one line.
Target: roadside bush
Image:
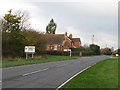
[(13, 43), (95, 49), (61, 53), (87, 53), (106, 51), (84, 51)]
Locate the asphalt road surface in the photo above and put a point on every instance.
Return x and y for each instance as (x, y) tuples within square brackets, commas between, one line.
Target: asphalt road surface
[(46, 75)]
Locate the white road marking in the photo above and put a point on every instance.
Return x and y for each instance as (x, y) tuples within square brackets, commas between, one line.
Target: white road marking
[(34, 72), (8, 67), (73, 77)]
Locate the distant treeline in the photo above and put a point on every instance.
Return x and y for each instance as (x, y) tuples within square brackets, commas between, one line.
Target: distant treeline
[(91, 50)]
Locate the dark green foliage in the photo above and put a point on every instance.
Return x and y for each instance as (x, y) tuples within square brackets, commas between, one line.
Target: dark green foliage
[(95, 49), (106, 51), (78, 49), (51, 27), (13, 43), (87, 53), (84, 51), (61, 53), (11, 22)]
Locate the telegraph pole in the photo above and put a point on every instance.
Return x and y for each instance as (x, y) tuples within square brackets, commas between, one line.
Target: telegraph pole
[(106, 45), (92, 39)]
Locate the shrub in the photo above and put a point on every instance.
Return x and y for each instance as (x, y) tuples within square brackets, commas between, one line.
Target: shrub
[(13, 43), (61, 53), (84, 51), (106, 51)]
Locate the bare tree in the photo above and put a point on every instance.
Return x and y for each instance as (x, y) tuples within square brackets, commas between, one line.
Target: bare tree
[(24, 19), (2, 23), (8, 21)]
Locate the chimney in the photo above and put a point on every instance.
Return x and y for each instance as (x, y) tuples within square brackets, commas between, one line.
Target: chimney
[(65, 33), (70, 36)]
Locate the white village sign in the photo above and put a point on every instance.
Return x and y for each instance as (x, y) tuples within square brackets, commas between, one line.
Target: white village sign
[(29, 50)]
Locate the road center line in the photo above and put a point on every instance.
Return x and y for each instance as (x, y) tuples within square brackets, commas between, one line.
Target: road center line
[(34, 72)]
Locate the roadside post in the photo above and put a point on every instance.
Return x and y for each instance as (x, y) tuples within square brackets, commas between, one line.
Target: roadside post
[(68, 50), (81, 54), (29, 50)]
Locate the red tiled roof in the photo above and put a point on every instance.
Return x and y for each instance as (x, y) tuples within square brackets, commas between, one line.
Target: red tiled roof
[(67, 44), (75, 39), (54, 38)]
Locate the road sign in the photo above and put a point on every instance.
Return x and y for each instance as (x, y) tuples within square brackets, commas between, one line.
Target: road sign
[(29, 49), (68, 50)]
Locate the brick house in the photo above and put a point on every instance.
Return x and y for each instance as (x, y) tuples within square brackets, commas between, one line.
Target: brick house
[(61, 42)]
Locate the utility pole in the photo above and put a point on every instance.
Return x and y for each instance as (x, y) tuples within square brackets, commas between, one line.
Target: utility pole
[(112, 49), (92, 39), (106, 45)]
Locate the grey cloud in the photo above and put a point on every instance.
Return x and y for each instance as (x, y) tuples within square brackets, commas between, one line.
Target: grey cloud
[(88, 18)]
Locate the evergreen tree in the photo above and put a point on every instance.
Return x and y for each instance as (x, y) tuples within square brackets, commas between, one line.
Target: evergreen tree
[(95, 49), (11, 22), (51, 27)]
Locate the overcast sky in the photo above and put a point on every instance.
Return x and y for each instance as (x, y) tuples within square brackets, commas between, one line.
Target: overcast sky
[(82, 19)]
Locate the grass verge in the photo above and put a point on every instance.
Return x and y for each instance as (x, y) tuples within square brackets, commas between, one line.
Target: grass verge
[(102, 75), (9, 63)]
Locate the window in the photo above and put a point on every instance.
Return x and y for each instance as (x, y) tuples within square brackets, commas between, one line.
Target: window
[(55, 47), (48, 47)]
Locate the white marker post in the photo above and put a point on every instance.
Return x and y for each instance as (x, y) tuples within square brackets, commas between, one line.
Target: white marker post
[(26, 55), (29, 50), (68, 50)]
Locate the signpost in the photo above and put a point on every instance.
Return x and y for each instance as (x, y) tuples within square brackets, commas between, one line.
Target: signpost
[(29, 50), (68, 50)]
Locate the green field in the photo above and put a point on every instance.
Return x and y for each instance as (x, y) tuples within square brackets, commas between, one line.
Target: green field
[(8, 63), (102, 75)]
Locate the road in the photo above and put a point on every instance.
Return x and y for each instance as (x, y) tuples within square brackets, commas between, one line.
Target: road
[(46, 75)]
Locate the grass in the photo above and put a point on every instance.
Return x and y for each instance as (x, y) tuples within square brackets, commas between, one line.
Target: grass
[(102, 75), (116, 56), (9, 63)]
